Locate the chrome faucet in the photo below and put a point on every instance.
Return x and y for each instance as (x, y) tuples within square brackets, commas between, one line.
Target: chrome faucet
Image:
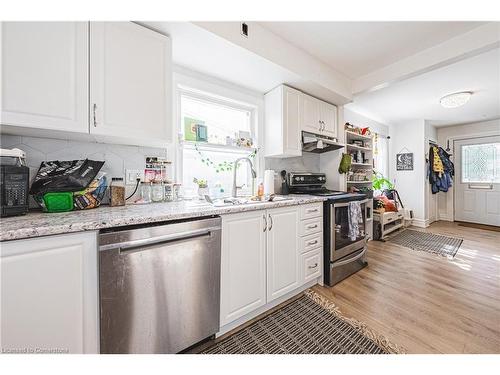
[(254, 175)]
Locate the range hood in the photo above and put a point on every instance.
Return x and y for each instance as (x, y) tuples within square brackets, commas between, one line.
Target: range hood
[(319, 143)]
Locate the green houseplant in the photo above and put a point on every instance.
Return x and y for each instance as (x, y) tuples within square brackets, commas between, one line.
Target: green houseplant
[(380, 183)]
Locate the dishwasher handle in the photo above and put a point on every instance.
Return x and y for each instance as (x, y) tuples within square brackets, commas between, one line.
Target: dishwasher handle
[(147, 242)]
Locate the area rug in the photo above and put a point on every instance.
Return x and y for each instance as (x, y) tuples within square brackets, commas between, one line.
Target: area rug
[(429, 242), (309, 325)]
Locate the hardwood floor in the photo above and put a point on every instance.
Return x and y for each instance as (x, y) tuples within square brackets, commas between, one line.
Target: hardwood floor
[(428, 303)]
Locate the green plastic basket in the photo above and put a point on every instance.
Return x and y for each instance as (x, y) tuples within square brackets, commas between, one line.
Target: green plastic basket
[(58, 202)]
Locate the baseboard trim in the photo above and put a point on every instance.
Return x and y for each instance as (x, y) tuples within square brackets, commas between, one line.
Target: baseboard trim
[(421, 223), (445, 217)]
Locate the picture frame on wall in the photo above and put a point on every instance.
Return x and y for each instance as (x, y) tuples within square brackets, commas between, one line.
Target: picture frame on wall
[(404, 161)]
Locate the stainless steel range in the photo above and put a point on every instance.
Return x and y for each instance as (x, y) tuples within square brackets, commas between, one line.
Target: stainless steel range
[(344, 251)]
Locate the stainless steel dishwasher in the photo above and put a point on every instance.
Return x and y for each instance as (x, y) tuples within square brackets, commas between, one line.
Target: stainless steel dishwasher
[(159, 286)]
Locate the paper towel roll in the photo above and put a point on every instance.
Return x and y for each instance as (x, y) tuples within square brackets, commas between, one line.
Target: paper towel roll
[(268, 182)]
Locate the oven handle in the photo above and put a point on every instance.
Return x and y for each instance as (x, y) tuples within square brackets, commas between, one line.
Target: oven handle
[(335, 205), (350, 260)]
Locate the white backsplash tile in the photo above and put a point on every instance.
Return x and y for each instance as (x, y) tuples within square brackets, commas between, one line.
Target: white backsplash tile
[(117, 158)]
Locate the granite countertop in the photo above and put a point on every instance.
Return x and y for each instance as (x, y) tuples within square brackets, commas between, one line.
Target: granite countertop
[(36, 224)]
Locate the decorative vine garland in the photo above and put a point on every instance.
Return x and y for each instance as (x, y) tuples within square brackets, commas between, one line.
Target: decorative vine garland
[(224, 166)]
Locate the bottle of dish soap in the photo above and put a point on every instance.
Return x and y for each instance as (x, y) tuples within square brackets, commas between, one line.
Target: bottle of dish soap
[(260, 190)]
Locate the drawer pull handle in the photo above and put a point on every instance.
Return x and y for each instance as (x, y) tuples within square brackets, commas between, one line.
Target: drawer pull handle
[(315, 265), (312, 226), (312, 242), (312, 210)]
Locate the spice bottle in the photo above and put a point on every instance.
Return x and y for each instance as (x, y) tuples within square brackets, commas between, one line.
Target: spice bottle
[(117, 192)]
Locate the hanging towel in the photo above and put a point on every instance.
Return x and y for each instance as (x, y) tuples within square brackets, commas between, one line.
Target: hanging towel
[(355, 218)]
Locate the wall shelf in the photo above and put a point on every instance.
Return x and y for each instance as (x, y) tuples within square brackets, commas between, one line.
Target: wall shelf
[(355, 147), (355, 136)]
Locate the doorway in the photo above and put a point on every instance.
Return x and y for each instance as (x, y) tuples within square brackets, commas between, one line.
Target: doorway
[(477, 180)]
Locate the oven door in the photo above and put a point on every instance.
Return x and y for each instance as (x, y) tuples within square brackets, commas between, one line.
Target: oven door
[(341, 244)]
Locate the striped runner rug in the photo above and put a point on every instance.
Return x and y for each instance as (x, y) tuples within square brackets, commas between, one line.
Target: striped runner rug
[(429, 242), (309, 325)]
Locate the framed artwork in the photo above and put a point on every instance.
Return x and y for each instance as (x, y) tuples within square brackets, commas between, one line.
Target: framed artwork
[(404, 161)]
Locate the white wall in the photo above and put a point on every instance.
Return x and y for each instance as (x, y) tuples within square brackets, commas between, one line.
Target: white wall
[(452, 133), (410, 137)]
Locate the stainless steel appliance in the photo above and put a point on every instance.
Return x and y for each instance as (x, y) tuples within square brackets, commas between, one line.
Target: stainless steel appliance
[(319, 143), (14, 183), (159, 286), (343, 256)]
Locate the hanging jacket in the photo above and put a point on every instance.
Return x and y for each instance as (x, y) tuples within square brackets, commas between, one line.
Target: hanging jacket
[(440, 177)]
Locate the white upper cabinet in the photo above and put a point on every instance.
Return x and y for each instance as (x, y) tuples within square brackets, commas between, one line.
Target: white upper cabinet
[(282, 122), (310, 119), (130, 86), (328, 115), (283, 272), (45, 75)]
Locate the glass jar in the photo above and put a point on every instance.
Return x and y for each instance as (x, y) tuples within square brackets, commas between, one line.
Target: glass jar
[(157, 192), (169, 192), (117, 192), (177, 192), (146, 192)]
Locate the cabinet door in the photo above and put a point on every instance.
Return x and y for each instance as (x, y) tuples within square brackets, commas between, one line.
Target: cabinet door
[(243, 264), (282, 252), (291, 122), (45, 75), (310, 114), (130, 76), (328, 115), (49, 294)]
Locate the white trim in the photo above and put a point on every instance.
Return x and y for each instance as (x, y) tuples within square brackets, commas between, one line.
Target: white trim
[(421, 223)]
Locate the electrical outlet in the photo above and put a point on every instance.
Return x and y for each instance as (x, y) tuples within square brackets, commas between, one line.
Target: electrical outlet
[(133, 175)]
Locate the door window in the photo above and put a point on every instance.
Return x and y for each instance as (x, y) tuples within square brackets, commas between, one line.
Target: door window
[(481, 163)]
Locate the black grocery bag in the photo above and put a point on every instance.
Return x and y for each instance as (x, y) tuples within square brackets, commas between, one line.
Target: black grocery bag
[(60, 176)]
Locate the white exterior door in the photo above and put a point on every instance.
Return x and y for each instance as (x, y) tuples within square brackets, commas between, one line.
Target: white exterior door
[(477, 181), (49, 294), (329, 117), (130, 80), (243, 264), (283, 272), (310, 114), (45, 75)]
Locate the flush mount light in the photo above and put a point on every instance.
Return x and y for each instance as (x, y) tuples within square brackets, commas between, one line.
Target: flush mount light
[(456, 99)]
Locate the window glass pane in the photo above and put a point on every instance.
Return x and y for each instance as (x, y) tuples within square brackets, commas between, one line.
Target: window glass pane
[(215, 166), (220, 121), (481, 163)]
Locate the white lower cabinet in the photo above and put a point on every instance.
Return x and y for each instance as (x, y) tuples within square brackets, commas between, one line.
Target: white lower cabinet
[(49, 294), (243, 264), (263, 261), (282, 249)]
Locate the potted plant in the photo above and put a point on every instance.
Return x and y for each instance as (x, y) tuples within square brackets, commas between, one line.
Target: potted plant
[(380, 183), (202, 187)]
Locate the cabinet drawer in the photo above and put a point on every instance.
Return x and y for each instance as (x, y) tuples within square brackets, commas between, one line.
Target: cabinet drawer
[(311, 242), (312, 264), (311, 210), (311, 226)]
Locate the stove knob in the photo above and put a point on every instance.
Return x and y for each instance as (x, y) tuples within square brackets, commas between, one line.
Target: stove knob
[(302, 179), (297, 178)]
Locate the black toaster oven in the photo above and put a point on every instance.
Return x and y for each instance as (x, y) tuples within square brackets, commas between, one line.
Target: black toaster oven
[(14, 185)]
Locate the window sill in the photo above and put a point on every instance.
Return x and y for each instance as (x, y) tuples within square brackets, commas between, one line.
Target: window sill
[(215, 146)]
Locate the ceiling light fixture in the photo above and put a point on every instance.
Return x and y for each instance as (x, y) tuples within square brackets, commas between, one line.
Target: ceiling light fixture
[(456, 99)]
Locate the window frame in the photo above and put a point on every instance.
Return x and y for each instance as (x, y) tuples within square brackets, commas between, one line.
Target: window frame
[(220, 93)]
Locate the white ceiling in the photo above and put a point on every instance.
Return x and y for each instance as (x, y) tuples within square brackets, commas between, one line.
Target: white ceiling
[(418, 97), (358, 48)]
